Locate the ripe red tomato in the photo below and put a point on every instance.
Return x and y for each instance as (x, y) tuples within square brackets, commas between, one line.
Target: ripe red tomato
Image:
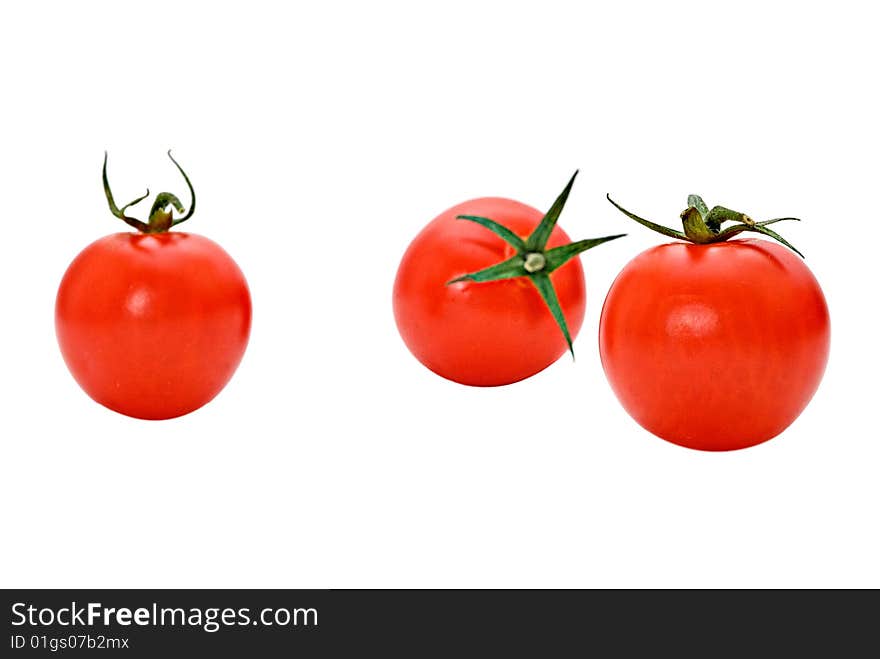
[(482, 333), (153, 324), (715, 346)]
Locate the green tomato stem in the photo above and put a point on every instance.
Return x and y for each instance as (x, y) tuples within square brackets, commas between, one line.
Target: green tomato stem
[(703, 227), (161, 219)]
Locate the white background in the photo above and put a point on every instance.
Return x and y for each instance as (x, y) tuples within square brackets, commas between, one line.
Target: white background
[(320, 138)]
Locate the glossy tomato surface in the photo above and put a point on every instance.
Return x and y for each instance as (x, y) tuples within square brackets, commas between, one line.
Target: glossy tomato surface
[(153, 325), (482, 334), (715, 347)]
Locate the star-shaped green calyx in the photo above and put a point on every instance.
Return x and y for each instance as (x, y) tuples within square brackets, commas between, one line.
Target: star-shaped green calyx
[(703, 226), (161, 218), (533, 259)]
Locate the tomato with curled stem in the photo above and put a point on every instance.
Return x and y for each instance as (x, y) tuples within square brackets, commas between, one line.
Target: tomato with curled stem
[(715, 344), (153, 324), (489, 292)]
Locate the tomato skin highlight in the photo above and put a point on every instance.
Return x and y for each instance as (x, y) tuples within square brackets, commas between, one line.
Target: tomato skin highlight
[(715, 347), (482, 334), (153, 326)]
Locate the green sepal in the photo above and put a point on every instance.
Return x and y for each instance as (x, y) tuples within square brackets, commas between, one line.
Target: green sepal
[(719, 215), (659, 228), (135, 202), (164, 200), (499, 230), (161, 218), (512, 267), (532, 259), (760, 227), (542, 282), (705, 228), (120, 212), (559, 256), (192, 193), (778, 219), (696, 201), (538, 240), (694, 226)]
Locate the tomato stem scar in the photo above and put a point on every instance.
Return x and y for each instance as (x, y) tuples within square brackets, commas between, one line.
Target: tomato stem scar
[(533, 259), (534, 262)]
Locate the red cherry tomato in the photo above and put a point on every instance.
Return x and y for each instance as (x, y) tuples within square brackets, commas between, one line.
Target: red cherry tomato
[(482, 333), (153, 325), (716, 346)]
